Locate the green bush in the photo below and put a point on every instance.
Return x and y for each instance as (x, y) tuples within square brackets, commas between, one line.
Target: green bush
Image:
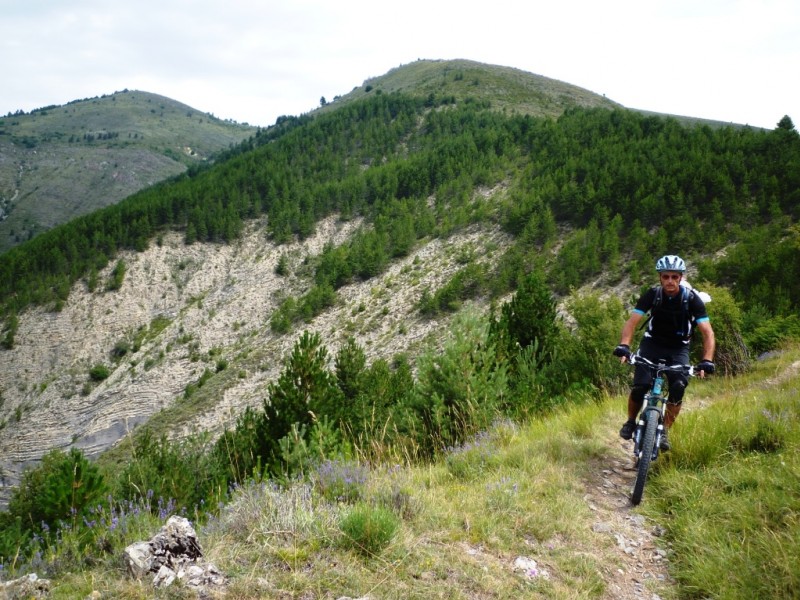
[(377, 413), (369, 529), (14, 538), (117, 276), (462, 387), (182, 472), (282, 266), (9, 331), (466, 283), (191, 388), (732, 355), (281, 320), (768, 332), (121, 348), (99, 372), (528, 319), (305, 392), (586, 353)]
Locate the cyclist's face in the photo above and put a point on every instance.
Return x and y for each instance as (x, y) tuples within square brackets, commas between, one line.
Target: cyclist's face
[(670, 280)]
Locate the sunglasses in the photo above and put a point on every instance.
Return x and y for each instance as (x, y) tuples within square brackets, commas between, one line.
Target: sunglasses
[(668, 276)]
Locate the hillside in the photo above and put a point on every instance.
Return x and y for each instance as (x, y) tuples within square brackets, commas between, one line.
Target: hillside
[(205, 303), (59, 162), (382, 217), (384, 281)]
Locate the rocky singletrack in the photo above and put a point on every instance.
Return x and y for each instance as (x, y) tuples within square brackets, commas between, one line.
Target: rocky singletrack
[(639, 556)]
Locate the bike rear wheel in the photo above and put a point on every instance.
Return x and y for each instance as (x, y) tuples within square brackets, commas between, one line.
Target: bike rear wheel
[(646, 454)]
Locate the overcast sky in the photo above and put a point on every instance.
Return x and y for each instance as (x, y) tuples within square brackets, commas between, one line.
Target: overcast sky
[(252, 61)]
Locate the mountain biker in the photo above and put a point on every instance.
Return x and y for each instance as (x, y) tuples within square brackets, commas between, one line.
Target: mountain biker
[(667, 336)]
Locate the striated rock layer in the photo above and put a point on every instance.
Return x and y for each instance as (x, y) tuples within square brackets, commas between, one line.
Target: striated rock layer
[(180, 311)]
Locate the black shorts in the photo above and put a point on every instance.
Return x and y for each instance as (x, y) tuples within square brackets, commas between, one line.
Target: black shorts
[(654, 351)]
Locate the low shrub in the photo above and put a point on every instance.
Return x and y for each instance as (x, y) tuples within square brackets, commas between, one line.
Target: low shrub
[(369, 529), (99, 372)]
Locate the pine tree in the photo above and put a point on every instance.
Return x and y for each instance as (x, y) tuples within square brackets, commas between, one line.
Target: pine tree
[(305, 392), (60, 489)]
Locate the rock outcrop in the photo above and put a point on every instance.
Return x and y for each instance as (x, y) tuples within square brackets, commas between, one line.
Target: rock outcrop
[(29, 587), (174, 554)]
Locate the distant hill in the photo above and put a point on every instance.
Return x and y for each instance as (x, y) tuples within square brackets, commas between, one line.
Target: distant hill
[(505, 87), (59, 162)]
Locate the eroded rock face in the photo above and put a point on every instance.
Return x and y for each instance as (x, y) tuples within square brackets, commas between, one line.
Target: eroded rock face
[(47, 396), (212, 302), (173, 554)]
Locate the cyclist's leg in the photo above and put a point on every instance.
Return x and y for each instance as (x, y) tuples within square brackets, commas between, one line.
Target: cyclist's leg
[(642, 377), (636, 399), (677, 387), (641, 383)]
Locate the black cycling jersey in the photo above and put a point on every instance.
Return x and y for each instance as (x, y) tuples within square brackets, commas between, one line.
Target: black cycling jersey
[(671, 323)]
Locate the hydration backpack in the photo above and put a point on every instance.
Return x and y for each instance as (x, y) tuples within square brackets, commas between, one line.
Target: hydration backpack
[(687, 293)]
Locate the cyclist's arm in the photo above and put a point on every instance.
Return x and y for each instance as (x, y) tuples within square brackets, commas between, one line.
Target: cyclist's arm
[(630, 327), (709, 343)]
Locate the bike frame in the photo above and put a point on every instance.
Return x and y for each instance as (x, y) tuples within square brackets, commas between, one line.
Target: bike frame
[(650, 423), (654, 401)]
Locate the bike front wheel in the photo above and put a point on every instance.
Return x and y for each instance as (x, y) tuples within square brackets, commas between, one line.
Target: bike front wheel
[(645, 455)]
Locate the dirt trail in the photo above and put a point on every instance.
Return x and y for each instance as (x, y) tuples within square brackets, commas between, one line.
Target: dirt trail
[(638, 565)]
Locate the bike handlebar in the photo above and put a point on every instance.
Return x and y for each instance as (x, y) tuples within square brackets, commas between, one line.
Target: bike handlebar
[(636, 358)]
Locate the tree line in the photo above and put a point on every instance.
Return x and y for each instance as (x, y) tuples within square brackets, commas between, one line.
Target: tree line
[(628, 184)]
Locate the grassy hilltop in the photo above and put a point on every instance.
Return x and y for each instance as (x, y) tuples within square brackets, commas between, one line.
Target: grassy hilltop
[(59, 162)]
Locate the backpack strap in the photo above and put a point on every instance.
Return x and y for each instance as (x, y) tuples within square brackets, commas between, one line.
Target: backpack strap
[(686, 296), (656, 303)]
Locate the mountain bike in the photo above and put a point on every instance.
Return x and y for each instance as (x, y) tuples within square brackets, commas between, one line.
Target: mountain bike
[(650, 424)]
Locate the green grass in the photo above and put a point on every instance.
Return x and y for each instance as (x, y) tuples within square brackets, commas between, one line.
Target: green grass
[(728, 496), (730, 491)]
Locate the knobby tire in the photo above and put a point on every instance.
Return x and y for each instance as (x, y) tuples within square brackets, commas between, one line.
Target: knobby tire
[(646, 455)]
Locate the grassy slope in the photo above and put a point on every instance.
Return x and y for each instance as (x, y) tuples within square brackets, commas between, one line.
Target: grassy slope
[(46, 179), (731, 489), (505, 87), (731, 484)]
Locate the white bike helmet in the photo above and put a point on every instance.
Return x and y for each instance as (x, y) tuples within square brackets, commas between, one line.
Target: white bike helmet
[(670, 262)]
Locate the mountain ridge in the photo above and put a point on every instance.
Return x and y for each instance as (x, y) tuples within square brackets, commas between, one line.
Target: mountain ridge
[(54, 167)]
